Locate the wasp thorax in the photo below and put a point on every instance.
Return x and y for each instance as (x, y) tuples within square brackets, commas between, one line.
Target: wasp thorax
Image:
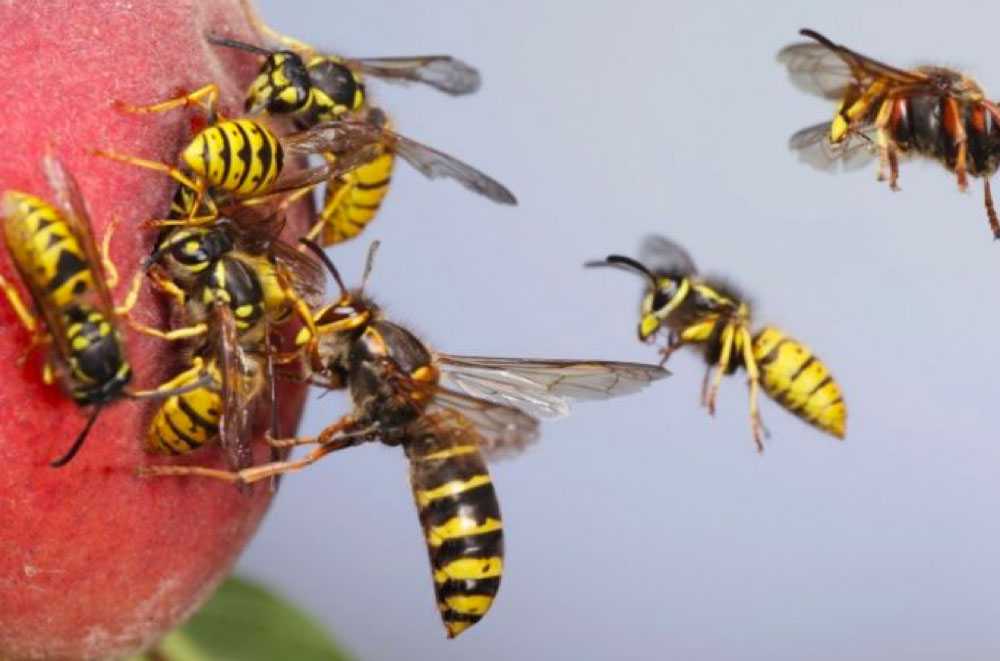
[(282, 85), (343, 89)]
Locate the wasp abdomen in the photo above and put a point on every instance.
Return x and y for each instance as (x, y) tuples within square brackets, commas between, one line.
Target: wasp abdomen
[(799, 381), (240, 156), (353, 200), (185, 422), (98, 369), (460, 516)]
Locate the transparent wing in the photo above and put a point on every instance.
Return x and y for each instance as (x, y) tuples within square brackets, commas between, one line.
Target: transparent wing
[(442, 72), (348, 138), (234, 424), (503, 430), (827, 69), (545, 387), (70, 202), (817, 70), (661, 255), (813, 146), (434, 164)]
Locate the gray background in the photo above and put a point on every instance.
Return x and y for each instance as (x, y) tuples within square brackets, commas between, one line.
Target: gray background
[(641, 528)]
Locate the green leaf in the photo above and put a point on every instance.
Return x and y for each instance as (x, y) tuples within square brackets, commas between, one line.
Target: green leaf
[(245, 622)]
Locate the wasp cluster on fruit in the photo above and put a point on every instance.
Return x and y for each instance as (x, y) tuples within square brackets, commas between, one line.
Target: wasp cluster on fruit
[(246, 308)]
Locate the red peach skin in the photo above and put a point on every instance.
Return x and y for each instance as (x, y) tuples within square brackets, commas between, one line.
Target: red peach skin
[(94, 561)]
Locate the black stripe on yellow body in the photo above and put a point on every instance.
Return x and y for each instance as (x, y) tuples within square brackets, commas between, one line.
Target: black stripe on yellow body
[(46, 250), (353, 199), (460, 516), (63, 282), (185, 422), (240, 156), (799, 382)]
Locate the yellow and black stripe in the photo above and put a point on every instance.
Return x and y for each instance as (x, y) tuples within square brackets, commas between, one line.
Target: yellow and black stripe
[(460, 516), (187, 421), (240, 156), (799, 381), (46, 250), (353, 199)]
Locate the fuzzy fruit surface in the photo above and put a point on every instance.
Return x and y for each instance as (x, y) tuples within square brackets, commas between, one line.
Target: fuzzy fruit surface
[(94, 561)]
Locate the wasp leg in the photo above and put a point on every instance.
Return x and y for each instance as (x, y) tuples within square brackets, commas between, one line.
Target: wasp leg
[(198, 186), (171, 335), (301, 308), (728, 337), (20, 309), (673, 344), (173, 387), (343, 428), (206, 97), (884, 143), (39, 336), (753, 381), (132, 297), (991, 212), (248, 475), (952, 123)]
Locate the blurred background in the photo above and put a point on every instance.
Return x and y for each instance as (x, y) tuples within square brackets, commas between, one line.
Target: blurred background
[(641, 528)]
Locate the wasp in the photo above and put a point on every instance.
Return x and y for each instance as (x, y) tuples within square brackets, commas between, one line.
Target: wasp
[(239, 265), (242, 160), (395, 383), (313, 87), (928, 111), (53, 249), (714, 317), (214, 398)]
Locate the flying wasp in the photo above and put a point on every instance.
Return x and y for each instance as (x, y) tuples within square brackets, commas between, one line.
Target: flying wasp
[(712, 316), (53, 249), (242, 160), (394, 381), (928, 111), (313, 87)]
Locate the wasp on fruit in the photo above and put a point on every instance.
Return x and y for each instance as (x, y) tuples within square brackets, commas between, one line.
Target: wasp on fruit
[(927, 111), (54, 252), (242, 160), (394, 381), (312, 87), (710, 315)]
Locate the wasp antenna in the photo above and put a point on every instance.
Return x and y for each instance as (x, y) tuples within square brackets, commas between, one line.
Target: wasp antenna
[(78, 443), (239, 45), (369, 262), (621, 261), (323, 257), (812, 34)]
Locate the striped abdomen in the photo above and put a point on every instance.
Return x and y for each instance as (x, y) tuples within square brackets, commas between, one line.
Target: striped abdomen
[(353, 199), (930, 125), (240, 156), (96, 363), (46, 250), (185, 422), (798, 381), (460, 516)]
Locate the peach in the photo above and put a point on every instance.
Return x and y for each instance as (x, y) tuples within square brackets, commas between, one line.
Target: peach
[(94, 561)]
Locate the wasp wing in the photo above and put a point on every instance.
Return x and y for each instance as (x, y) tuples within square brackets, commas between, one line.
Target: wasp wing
[(827, 69), (662, 255), (237, 393), (442, 72), (813, 146), (546, 387), (357, 142), (503, 430), (70, 202)]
